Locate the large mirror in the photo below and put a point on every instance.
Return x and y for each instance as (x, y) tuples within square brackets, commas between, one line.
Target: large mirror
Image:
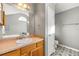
[(17, 19)]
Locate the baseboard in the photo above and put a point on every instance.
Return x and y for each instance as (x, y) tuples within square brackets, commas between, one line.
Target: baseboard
[(69, 47)]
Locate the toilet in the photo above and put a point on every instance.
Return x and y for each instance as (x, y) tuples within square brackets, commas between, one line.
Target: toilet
[(56, 44)]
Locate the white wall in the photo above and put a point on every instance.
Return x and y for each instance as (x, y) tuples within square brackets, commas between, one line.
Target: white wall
[(61, 7), (49, 30), (67, 27)]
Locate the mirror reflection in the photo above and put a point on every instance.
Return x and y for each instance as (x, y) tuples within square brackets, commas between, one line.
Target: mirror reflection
[(16, 19)]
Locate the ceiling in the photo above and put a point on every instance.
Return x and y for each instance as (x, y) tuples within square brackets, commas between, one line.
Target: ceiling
[(60, 7), (11, 9)]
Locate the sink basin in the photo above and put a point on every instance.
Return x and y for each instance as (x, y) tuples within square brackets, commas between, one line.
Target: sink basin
[(24, 41)]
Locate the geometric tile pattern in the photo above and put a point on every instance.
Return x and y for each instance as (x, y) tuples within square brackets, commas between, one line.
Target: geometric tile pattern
[(62, 51)]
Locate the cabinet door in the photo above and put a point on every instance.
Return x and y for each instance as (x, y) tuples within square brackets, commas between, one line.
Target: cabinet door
[(41, 43), (12, 53), (37, 52), (25, 50)]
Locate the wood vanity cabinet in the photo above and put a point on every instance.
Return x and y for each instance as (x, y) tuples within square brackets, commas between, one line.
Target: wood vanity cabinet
[(25, 51), (12, 53), (39, 51), (40, 45), (35, 49)]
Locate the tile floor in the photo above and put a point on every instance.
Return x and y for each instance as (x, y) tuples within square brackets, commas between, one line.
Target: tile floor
[(62, 51)]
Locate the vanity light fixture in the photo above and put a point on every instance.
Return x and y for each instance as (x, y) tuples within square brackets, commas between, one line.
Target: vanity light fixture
[(23, 6)]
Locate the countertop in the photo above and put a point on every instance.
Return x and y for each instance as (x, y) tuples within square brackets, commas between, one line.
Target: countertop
[(10, 44)]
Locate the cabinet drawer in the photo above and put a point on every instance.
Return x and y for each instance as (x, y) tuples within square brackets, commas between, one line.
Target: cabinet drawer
[(13, 53), (27, 49), (41, 43)]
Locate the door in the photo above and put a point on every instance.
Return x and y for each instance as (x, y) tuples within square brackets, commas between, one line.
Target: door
[(49, 29)]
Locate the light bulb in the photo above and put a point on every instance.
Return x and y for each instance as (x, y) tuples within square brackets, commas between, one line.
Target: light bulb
[(25, 6), (28, 7), (20, 4)]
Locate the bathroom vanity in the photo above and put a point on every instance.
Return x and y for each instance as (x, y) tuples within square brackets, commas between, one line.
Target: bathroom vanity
[(18, 24), (9, 47)]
